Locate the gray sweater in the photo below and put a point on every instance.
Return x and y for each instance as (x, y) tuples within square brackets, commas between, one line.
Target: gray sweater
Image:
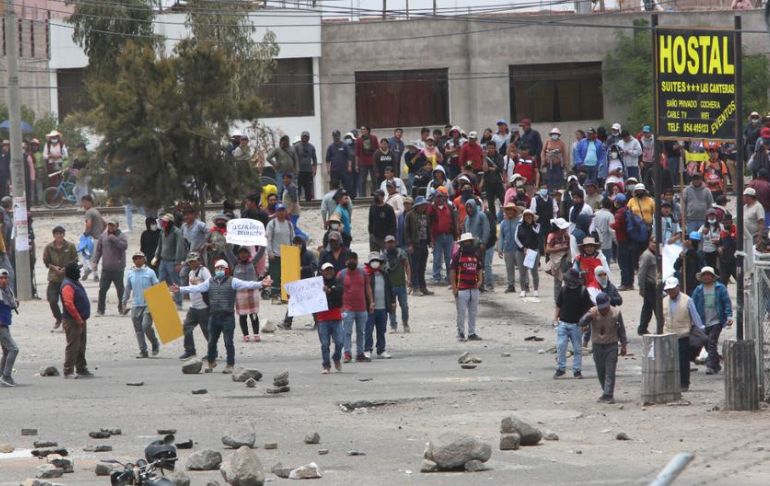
[(111, 249), (171, 246), (697, 200)]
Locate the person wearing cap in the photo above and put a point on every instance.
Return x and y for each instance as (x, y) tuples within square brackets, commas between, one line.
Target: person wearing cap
[(400, 274), (506, 243), (417, 235), (647, 144), (41, 172), (279, 232), (691, 260), (330, 200), (671, 231), (383, 158), (344, 210), (365, 147), (714, 170), (307, 162), (335, 251), (527, 240), (753, 213), (614, 136), (356, 294), (339, 161), (589, 259), (380, 305), (75, 314), (680, 316), (751, 134), (443, 229), (557, 248), (56, 256), (472, 153), (642, 204), (141, 278), (382, 222), (716, 312), (710, 232), (572, 302), (170, 254), (590, 154), (222, 290), (389, 178), (696, 201), (452, 146), (198, 312), (603, 327), (555, 160), (111, 249), (761, 186), (241, 151), (8, 305), (502, 136), (545, 208), (329, 322), (283, 158), (55, 153), (530, 140), (466, 276), (413, 158), (393, 198)]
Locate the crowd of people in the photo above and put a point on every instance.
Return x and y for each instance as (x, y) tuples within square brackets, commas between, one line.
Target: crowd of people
[(570, 210)]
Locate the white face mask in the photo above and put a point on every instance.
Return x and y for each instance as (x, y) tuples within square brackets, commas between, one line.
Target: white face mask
[(712, 221), (613, 155), (153, 227), (375, 265), (554, 137)]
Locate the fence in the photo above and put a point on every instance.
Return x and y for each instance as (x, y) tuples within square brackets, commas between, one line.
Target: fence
[(757, 315)]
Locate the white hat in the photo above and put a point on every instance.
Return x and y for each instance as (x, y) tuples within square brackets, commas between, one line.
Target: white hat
[(554, 130), (616, 126), (706, 269), (326, 265), (640, 187), (53, 133), (466, 237), (531, 213), (749, 191), (221, 264), (473, 135), (561, 223), (671, 283), (514, 177)]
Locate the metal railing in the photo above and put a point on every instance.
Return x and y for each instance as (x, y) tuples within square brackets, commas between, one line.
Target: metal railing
[(757, 316)]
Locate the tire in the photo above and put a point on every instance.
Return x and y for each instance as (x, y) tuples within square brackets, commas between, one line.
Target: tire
[(53, 198)]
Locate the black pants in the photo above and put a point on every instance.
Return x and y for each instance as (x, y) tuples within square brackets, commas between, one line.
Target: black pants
[(494, 191), (419, 261), (727, 270), (243, 321), (684, 362), (648, 308), (108, 278), (305, 183), (606, 361), (195, 318), (52, 294), (712, 348)]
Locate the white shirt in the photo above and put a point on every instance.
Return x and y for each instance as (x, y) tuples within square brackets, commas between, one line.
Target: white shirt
[(197, 277), (631, 151), (396, 201), (399, 186)]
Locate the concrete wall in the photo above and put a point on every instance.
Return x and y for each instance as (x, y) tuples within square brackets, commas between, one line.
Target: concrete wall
[(485, 49)]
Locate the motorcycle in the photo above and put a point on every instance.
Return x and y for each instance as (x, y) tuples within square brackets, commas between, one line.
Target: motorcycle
[(159, 455)]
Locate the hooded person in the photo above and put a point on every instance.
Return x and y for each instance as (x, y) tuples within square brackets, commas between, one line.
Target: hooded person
[(77, 310), (477, 224), (170, 254), (148, 241), (439, 180), (609, 288)]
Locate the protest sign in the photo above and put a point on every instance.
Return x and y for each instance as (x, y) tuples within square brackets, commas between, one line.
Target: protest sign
[(164, 313), (246, 232), (306, 296), (290, 268)]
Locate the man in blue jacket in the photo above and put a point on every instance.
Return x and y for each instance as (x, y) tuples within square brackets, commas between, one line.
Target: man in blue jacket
[(713, 304), (8, 304), (591, 155)]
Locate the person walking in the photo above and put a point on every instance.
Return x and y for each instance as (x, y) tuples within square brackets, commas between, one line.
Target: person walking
[(330, 321), (528, 241), (506, 244), (647, 279), (382, 222), (356, 293), (221, 289), (466, 276), (247, 301), (56, 256), (170, 254), (198, 313), (443, 233), (77, 310), (571, 304), (680, 317), (400, 274), (279, 232), (603, 327), (417, 233), (380, 305), (8, 305), (111, 249), (140, 278), (716, 312)]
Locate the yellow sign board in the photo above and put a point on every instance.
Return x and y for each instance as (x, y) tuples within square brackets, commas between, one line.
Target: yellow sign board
[(290, 268), (164, 313)]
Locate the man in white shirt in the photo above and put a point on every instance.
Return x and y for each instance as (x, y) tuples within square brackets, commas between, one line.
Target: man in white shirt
[(632, 150), (394, 199), (390, 176), (198, 313)]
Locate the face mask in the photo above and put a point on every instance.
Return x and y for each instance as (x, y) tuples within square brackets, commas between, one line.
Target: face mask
[(351, 265), (543, 193), (334, 226), (54, 141), (631, 187), (219, 273), (467, 192), (603, 281), (375, 265), (153, 227), (712, 221), (554, 137), (614, 155)]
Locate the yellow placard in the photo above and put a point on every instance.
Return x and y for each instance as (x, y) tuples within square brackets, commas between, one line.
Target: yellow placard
[(290, 269), (164, 313)]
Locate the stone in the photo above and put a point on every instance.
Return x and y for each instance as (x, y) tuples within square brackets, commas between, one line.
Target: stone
[(114, 431), (510, 442), (475, 466), (468, 366), (47, 471), (200, 391), (38, 482), (308, 471), (270, 445), (530, 435), (192, 366), (98, 448), (550, 436), (243, 468), (212, 483), (243, 374), (99, 434), (103, 469), (251, 383), (45, 443), (356, 453), (204, 460), (50, 450), (281, 383), (281, 389), (313, 438), (64, 463), (6, 448), (188, 444), (463, 358), (268, 327), (323, 452), (180, 478), (505, 355), (239, 437), (282, 376), (428, 466), (135, 383), (622, 436), (166, 431), (280, 471), (28, 432), (452, 450), (48, 371)]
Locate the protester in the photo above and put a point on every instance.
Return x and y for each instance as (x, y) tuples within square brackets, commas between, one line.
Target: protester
[(555, 160), (111, 249), (625, 250), (715, 310), (604, 285), (339, 161), (527, 240), (149, 239), (443, 220), (308, 268), (75, 314), (356, 293), (198, 312), (726, 249), (557, 250), (382, 222), (572, 303), (711, 231), (466, 277), (57, 255), (545, 208), (380, 305), (139, 279), (330, 321), (284, 160), (753, 213), (681, 316), (506, 243), (8, 305), (697, 200), (365, 146), (604, 328), (588, 261), (400, 274), (170, 254), (691, 260), (247, 300), (307, 162), (417, 233), (279, 232), (648, 287), (603, 220)]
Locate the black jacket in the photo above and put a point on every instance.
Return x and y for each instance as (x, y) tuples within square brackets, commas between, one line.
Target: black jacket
[(382, 220), (334, 298)]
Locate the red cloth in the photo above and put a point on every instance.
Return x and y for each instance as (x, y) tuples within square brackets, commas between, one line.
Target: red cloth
[(527, 168), (588, 264), (763, 192), (467, 269), (474, 153), (441, 220), (68, 299), (354, 290), (366, 157), (621, 235), (329, 315)]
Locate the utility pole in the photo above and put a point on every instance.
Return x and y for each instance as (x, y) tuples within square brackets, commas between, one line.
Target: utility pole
[(23, 270)]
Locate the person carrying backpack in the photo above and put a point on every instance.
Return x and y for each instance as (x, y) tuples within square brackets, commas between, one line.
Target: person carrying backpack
[(639, 220)]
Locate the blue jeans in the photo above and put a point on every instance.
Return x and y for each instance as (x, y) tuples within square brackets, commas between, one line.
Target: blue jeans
[(565, 333), (377, 320), (279, 184), (694, 225), (591, 170), (167, 273), (442, 253), (359, 318), (673, 169), (489, 277), (221, 324), (399, 295), (626, 263), (328, 330), (607, 252), (632, 172), (298, 232)]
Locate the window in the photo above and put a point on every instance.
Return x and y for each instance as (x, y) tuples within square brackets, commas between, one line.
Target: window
[(557, 92), (390, 99), (289, 92), (71, 91)]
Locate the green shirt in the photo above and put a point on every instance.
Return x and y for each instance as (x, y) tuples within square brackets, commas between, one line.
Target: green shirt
[(396, 267)]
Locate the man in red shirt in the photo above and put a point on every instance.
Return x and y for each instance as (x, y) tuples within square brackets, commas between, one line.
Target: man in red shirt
[(330, 320), (366, 146), (473, 153), (443, 227), (355, 295), (466, 275)]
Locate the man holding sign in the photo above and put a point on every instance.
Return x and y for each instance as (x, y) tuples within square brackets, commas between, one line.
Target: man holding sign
[(330, 321), (221, 289)]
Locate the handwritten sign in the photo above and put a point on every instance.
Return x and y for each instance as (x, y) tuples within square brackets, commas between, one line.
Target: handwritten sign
[(670, 254), (246, 232), (306, 296)]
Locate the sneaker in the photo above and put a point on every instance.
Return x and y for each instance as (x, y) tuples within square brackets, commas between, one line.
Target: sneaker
[(186, 355), (710, 371), (325, 371), (210, 367), (7, 381), (461, 337), (284, 326), (578, 375), (338, 366), (368, 354), (427, 292), (142, 355), (559, 373), (510, 289), (362, 358), (155, 351), (474, 337), (56, 325), (393, 330), (384, 355), (536, 293), (84, 373), (347, 358), (606, 399), (228, 370), (255, 338), (406, 328), (523, 294)]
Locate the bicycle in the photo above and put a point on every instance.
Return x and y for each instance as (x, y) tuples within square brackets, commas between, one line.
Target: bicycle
[(54, 197)]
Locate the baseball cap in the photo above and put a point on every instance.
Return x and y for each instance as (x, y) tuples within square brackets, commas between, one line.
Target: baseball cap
[(749, 191), (671, 283), (501, 121), (621, 198), (327, 265), (192, 256), (279, 207), (221, 264), (473, 135), (647, 129), (616, 126), (602, 301), (113, 221), (390, 238)]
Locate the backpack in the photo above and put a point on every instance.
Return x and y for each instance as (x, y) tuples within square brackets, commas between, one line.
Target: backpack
[(636, 228)]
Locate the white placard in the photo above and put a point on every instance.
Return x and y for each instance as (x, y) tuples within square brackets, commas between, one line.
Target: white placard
[(246, 232), (306, 296), (670, 254), (530, 258)]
